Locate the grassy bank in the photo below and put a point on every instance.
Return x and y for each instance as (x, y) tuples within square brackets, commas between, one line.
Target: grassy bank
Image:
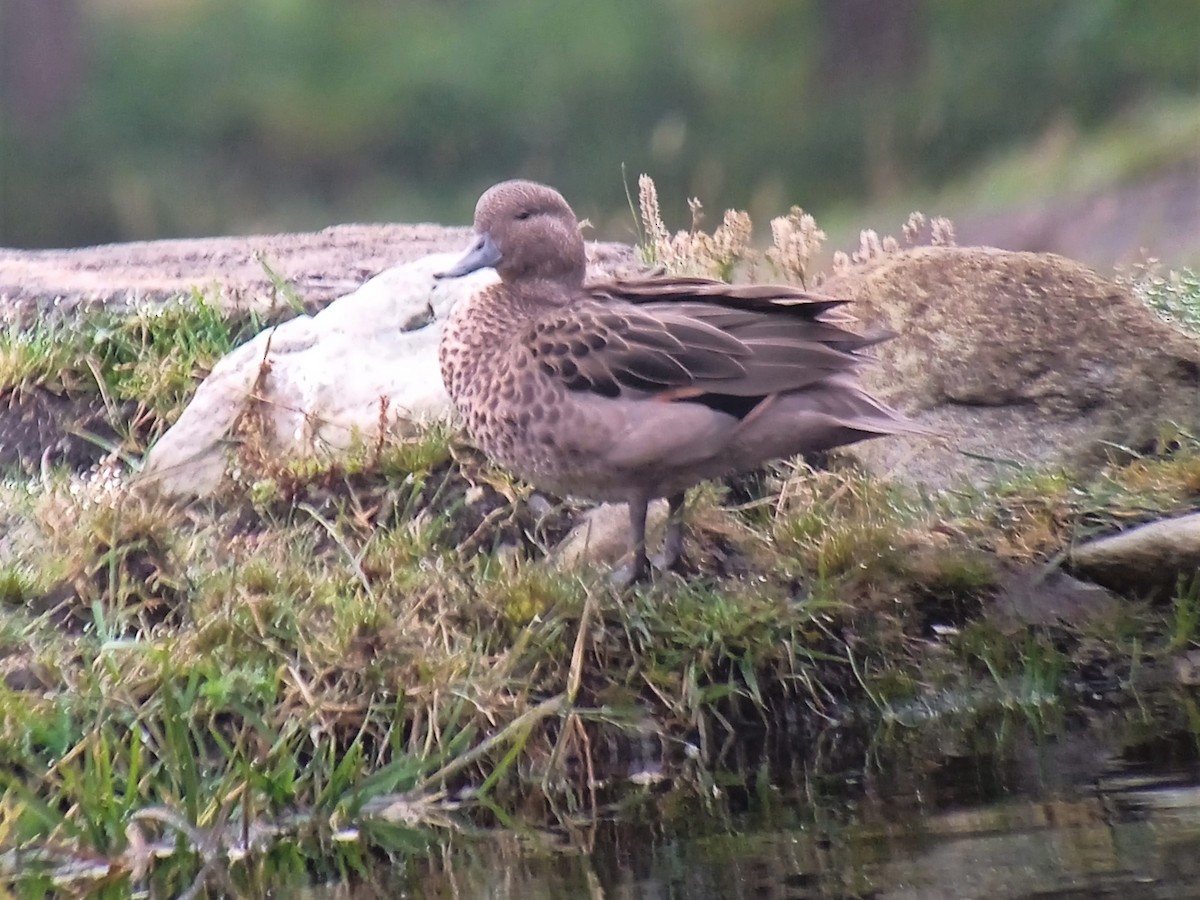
[(333, 653)]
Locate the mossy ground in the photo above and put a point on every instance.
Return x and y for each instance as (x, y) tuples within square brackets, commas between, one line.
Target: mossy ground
[(334, 651)]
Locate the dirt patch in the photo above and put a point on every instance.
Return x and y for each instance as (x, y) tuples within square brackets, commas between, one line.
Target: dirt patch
[(70, 430)]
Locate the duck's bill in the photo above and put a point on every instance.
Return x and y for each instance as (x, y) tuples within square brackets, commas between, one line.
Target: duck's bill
[(482, 254)]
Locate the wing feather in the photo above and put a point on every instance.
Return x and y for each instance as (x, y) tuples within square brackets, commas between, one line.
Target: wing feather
[(694, 340)]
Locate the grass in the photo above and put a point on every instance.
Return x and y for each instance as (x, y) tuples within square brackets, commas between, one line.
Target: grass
[(219, 681), (143, 365), (333, 654), (727, 252)]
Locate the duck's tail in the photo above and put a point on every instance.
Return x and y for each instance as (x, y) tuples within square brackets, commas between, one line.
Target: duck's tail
[(833, 413)]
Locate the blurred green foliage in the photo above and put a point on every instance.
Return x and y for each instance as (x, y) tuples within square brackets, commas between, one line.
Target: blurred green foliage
[(209, 116)]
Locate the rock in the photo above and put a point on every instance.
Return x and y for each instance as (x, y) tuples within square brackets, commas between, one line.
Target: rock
[(1149, 559), (236, 273), (603, 535), (1186, 668), (1018, 358), (317, 266), (1033, 596), (322, 379)]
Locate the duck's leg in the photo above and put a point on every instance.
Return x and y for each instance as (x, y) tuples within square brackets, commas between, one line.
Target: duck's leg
[(673, 538), (636, 568)]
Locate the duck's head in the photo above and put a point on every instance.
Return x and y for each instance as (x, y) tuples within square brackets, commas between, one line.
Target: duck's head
[(524, 230)]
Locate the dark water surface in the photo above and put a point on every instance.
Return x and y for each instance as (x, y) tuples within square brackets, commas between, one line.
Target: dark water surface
[(999, 812)]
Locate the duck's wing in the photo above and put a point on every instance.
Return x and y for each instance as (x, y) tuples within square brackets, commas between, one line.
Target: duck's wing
[(689, 350), (768, 298), (617, 350), (747, 311)]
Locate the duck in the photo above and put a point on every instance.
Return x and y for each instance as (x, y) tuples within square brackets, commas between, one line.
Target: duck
[(631, 389)]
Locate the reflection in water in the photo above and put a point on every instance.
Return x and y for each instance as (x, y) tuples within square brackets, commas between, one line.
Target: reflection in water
[(1060, 819)]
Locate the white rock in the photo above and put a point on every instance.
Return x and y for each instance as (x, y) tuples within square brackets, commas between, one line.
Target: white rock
[(323, 377), (603, 534)]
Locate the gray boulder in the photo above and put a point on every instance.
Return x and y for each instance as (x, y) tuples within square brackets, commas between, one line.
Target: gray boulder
[(1019, 359)]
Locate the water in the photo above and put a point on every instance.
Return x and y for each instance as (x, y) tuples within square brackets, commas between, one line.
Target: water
[(998, 812)]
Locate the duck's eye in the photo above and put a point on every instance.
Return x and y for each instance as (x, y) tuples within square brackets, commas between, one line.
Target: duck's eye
[(524, 214)]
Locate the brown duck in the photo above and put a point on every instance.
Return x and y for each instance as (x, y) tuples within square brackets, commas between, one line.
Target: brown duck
[(635, 389)]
